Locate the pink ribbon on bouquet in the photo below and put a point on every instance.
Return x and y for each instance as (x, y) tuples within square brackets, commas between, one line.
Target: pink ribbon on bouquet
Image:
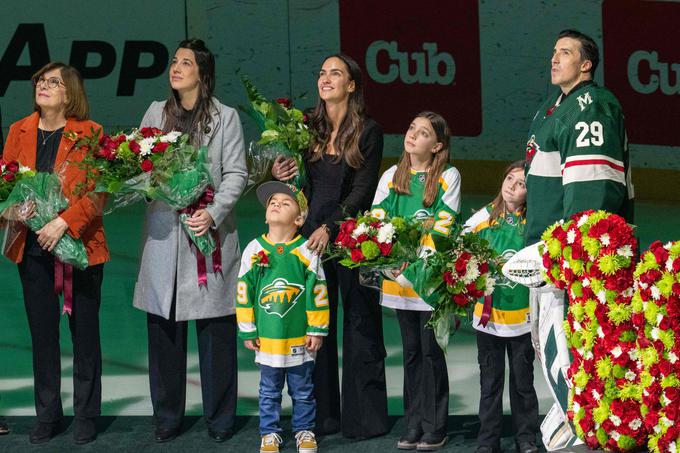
[(201, 267), (486, 311), (63, 283)]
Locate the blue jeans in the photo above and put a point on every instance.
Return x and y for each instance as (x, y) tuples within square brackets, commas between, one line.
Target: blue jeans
[(300, 389)]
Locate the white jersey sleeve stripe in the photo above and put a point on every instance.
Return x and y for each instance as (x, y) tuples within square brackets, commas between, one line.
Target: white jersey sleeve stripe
[(384, 184), (451, 197), (246, 258), (592, 172), (586, 159), (546, 164)]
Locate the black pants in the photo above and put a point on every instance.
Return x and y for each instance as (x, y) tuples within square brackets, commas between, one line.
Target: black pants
[(44, 314), (426, 379), (168, 369), (364, 391), (523, 402)]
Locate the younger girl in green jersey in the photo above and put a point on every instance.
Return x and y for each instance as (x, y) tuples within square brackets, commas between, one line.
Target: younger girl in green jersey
[(502, 323), (421, 185)]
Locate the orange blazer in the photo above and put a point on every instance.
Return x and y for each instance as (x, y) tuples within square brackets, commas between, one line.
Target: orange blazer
[(84, 213)]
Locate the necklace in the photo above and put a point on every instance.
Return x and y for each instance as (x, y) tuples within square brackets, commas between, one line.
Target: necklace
[(43, 138)]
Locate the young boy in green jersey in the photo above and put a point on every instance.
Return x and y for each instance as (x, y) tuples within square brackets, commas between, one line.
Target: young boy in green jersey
[(282, 313)]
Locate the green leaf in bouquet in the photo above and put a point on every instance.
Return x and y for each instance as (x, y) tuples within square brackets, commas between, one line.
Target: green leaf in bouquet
[(205, 244), (281, 112), (442, 329)]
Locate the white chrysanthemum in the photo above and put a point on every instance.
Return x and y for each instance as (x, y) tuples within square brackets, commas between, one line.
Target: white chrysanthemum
[(145, 146), (659, 318), (600, 332), (24, 169), (633, 354), (656, 294), (666, 400), (672, 357), (643, 285), (657, 429), (625, 250), (581, 351), (628, 292), (614, 435), (672, 447), (362, 228), (170, 137), (576, 407), (385, 233), (585, 282), (490, 285), (596, 395), (602, 297), (616, 420), (565, 264), (582, 221), (577, 390), (655, 333), (605, 239), (588, 355), (131, 136), (668, 245), (666, 422), (635, 424), (617, 351), (571, 236), (669, 264), (471, 271), (630, 375), (577, 326)]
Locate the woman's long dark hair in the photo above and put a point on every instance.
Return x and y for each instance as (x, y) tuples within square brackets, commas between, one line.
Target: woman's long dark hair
[(199, 116), (346, 142), (402, 177)]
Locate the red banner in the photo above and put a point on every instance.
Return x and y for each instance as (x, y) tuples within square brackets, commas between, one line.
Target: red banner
[(414, 57), (642, 67)]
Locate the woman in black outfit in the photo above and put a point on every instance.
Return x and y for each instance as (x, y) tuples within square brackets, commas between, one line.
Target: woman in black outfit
[(342, 165)]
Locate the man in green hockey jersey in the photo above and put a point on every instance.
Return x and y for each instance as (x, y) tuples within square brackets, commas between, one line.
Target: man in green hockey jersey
[(577, 159)]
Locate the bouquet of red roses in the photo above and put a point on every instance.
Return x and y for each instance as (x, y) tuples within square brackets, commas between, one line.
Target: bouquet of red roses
[(367, 241), (146, 163), (592, 257)]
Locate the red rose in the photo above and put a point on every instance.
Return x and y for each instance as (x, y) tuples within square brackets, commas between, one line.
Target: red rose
[(661, 255), (547, 262), (672, 393), (665, 323), (671, 411), (362, 238), (483, 268), (149, 131), (460, 300), (12, 166), (284, 102), (160, 147), (461, 263), (665, 367), (448, 278), (147, 165), (385, 248), (263, 258), (357, 256), (9, 177), (348, 226), (134, 147), (348, 242), (110, 156), (676, 268)]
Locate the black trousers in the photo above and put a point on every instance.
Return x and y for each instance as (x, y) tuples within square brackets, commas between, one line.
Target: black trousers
[(44, 314), (168, 369), (364, 391), (523, 402), (426, 379)]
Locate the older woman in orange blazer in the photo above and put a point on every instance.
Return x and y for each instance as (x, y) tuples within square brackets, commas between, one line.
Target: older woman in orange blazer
[(38, 141)]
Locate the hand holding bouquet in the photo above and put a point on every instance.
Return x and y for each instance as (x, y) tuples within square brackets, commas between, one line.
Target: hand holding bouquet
[(284, 132)]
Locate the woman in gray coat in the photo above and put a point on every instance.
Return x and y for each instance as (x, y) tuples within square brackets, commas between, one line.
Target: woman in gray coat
[(168, 283)]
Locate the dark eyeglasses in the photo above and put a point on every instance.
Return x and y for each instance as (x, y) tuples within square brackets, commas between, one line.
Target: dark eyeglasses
[(52, 82)]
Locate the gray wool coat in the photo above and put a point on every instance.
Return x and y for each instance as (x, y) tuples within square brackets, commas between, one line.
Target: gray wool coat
[(168, 263)]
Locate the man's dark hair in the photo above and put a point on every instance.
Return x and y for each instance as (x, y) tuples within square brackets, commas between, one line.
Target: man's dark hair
[(589, 49)]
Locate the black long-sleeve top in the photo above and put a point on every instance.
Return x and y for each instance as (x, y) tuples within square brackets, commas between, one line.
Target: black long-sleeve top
[(336, 190)]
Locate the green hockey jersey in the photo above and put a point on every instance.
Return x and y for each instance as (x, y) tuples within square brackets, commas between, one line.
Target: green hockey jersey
[(510, 312), (281, 298), (577, 159), (445, 209)]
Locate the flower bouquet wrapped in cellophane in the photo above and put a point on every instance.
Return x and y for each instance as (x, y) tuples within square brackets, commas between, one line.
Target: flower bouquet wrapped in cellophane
[(148, 164), (283, 132), (44, 191), (453, 277)]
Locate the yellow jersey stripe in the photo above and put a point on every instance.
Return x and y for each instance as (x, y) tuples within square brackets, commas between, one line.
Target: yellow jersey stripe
[(395, 289), (302, 258), (506, 317), (279, 346), (245, 314), (318, 319)]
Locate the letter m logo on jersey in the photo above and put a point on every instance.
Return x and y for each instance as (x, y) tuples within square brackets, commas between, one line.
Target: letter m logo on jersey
[(280, 296), (584, 100)]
